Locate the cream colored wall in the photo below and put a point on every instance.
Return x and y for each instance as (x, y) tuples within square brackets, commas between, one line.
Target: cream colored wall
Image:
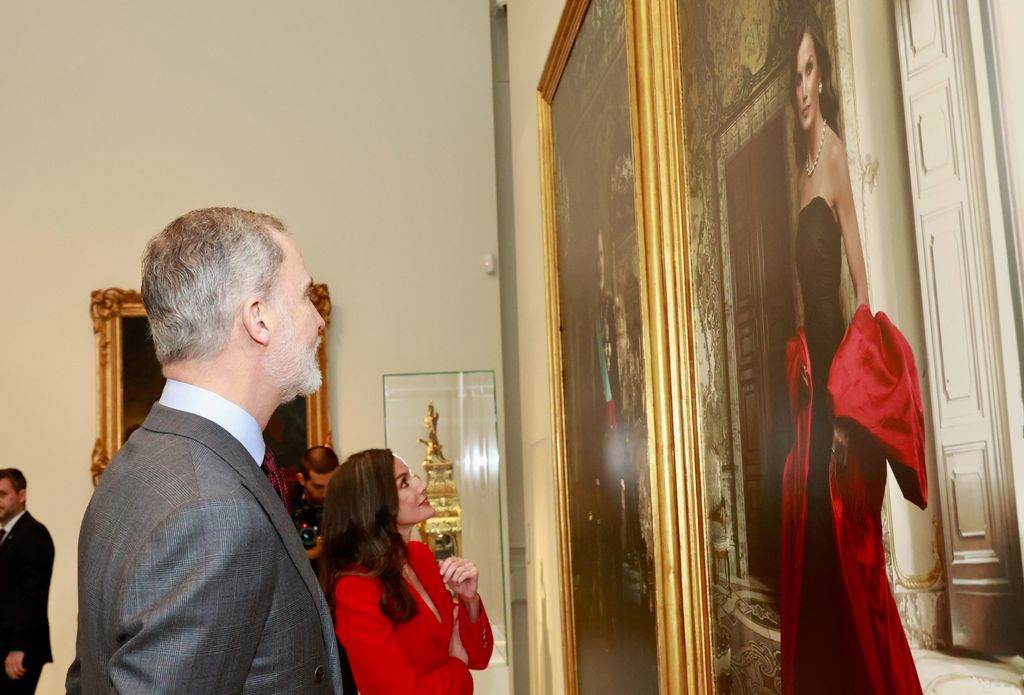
[(997, 53), (531, 28), (887, 229), (367, 126), (890, 250), (1007, 17)]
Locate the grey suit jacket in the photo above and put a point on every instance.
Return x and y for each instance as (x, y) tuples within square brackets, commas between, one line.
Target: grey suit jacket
[(191, 577)]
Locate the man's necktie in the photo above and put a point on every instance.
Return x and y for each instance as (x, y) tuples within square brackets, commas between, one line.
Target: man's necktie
[(276, 478), (3, 533)]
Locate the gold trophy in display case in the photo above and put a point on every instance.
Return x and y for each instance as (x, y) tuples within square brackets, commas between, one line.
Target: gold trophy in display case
[(443, 532)]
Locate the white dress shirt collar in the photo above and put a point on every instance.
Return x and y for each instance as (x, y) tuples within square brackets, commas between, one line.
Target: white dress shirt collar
[(10, 524), (217, 409)]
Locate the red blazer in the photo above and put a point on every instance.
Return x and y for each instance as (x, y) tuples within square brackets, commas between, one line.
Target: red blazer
[(873, 384), (411, 657)]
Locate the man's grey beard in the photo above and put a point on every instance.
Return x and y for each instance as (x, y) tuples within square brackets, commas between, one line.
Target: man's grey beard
[(294, 370)]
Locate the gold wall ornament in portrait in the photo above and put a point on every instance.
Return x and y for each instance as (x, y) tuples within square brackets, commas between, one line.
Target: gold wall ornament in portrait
[(628, 496), (129, 381)]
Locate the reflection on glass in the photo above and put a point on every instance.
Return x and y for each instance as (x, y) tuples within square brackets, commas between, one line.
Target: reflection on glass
[(468, 427)]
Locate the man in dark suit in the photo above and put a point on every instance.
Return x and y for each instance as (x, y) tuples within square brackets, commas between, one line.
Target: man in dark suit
[(191, 578), (26, 564)]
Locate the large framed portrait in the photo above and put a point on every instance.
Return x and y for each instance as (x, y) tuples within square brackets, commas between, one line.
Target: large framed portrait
[(830, 548), (786, 397), (129, 382), (615, 392)]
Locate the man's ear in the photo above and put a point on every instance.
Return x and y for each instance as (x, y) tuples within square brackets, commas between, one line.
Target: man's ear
[(301, 478), (258, 319)]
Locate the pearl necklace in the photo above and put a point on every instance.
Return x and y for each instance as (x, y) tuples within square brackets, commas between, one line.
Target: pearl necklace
[(821, 143)]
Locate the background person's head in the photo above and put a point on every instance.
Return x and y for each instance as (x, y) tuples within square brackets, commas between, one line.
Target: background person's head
[(229, 284), (370, 499), (318, 467), (12, 494)]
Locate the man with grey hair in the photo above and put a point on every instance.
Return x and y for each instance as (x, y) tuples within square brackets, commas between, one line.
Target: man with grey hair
[(191, 578)]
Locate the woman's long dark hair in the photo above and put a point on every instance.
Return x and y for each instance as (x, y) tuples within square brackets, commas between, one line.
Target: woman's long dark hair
[(360, 534), (828, 102)]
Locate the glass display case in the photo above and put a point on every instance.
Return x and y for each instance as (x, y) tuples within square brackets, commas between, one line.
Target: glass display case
[(465, 424)]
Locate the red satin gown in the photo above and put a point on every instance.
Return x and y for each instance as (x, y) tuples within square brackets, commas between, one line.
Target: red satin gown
[(841, 631)]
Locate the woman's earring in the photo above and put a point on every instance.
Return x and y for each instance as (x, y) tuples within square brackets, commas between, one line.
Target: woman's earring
[(819, 88)]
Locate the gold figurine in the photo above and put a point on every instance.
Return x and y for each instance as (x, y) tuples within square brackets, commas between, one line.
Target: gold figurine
[(442, 532), (434, 447)]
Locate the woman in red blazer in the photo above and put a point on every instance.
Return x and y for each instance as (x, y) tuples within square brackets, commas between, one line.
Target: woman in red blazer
[(392, 611)]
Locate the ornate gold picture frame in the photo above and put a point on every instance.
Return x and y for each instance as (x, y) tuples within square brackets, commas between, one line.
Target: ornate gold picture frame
[(630, 223), (118, 321), (724, 73)]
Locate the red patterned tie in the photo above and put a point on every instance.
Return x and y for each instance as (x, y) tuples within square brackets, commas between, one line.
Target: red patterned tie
[(276, 478)]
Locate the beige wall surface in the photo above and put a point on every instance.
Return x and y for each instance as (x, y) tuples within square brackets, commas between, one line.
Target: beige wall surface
[(886, 220), (368, 127), (531, 29)]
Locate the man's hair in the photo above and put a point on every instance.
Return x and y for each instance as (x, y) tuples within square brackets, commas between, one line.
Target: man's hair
[(16, 477), (198, 271), (319, 459)]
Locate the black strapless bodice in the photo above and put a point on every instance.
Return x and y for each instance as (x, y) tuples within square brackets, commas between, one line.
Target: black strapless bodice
[(819, 265), (823, 625)]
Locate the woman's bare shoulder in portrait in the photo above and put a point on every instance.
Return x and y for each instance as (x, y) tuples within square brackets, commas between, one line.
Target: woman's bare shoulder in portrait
[(837, 168), (835, 156)]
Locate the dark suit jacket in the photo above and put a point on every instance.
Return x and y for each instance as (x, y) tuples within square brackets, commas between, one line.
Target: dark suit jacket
[(26, 564), (191, 578)]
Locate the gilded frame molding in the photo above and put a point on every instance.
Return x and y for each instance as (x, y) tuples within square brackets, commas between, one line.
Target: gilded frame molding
[(683, 602), (107, 308)]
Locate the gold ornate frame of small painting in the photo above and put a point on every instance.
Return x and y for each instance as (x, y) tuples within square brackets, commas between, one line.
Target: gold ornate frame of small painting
[(129, 379), (628, 491)]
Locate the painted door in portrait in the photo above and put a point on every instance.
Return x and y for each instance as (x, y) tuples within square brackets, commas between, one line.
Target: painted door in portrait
[(763, 320)]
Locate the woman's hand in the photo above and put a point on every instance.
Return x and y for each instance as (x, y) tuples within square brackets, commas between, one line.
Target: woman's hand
[(461, 576), (455, 647)]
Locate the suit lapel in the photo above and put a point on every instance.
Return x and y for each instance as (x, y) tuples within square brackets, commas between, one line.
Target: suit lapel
[(218, 440), (23, 523)]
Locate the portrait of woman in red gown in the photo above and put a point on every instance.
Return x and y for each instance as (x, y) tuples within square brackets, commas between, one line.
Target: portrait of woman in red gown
[(855, 403)]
